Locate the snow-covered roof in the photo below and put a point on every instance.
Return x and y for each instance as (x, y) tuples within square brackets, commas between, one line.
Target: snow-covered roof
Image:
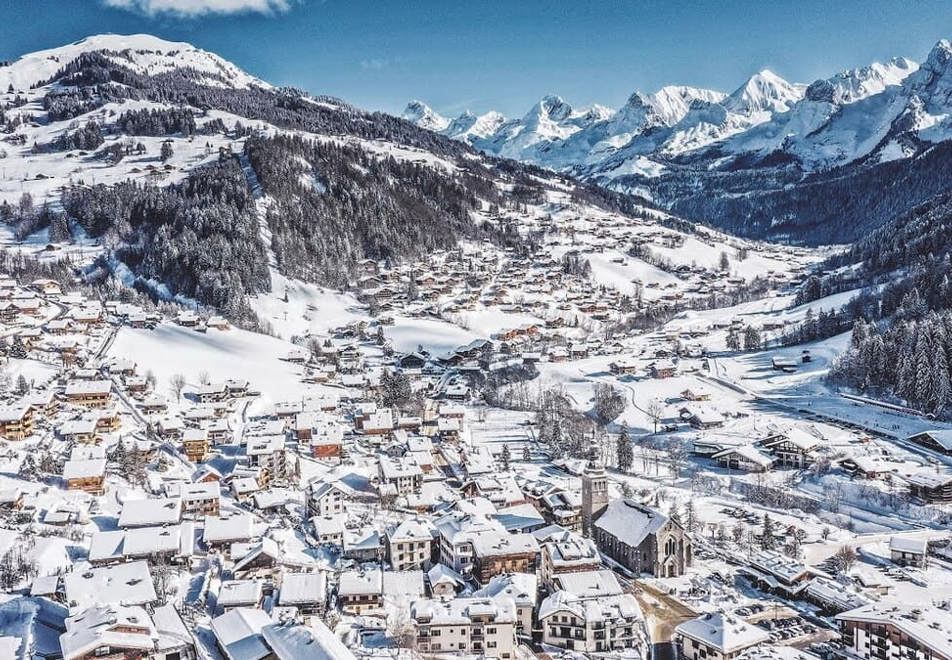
[(146, 512), (929, 625), (121, 584), (239, 633), (303, 588), (630, 522), (723, 632), (589, 584), (460, 610), (293, 641)]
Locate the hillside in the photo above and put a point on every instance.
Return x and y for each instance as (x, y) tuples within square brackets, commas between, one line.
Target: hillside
[(204, 181)]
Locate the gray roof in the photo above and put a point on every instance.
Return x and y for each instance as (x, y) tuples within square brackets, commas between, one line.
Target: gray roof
[(630, 522)]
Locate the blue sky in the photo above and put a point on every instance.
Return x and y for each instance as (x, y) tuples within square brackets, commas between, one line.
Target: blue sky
[(489, 54)]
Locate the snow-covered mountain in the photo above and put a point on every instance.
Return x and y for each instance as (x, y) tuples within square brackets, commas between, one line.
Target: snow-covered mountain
[(142, 53), (179, 173), (882, 112), (423, 116)]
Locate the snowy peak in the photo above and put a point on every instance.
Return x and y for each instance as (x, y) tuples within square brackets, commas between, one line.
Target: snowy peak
[(764, 92), (672, 102), (856, 84), (550, 107), (469, 127), (143, 53), (424, 116)]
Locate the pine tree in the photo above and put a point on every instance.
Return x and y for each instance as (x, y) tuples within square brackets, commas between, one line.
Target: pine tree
[(505, 457), (767, 534), (623, 450)]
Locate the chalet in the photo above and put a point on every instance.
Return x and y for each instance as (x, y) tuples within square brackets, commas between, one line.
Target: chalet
[(86, 475), (744, 457), (624, 367), (224, 530), (696, 394), (89, 393), (233, 594), (16, 421), (663, 369), (360, 591), (306, 592), (210, 393), (930, 487), (329, 530), (939, 440), (794, 448), (267, 452), (195, 443), (116, 630), (501, 552), (150, 512), (701, 417), (199, 499), (907, 551)]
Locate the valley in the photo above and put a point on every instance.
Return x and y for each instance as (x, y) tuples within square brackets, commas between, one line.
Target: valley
[(283, 378)]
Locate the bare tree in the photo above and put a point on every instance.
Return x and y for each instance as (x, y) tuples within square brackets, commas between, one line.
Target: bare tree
[(177, 384), (845, 558), (655, 410)]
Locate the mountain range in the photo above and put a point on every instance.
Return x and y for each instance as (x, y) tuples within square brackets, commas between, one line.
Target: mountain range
[(695, 151)]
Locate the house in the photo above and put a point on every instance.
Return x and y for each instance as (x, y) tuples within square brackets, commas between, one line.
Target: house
[(195, 443), (592, 625), (744, 457), (306, 592), (663, 369), (717, 636), (701, 417), (642, 539), (202, 498), (360, 591), (327, 498), (225, 530), (315, 641), (129, 583), (86, 475), (930, 487), (566, 552), (403, 474), (497, 553), (150, 512), (329, 530), (623, 367), (89, 393), (170, 543), (522, 589), (240, 593), (907, 551), (936, 439), (795, 448), (108, 631), (16, 421), (903, 630), (409, 544), (267, 452), (238, 634), (472, 626)]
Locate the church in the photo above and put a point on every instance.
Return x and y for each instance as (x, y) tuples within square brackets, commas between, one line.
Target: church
[(640, 538)]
